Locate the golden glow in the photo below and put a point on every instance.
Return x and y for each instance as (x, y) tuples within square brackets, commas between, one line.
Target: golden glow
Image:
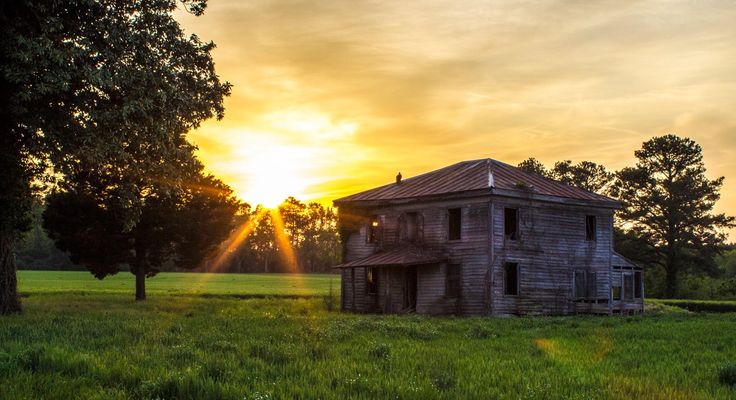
[(330, 99)]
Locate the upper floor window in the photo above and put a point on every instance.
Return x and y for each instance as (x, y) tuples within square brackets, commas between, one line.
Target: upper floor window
[(410, 224), (590, 227), (511, 223), (374, 228), (454, 226)]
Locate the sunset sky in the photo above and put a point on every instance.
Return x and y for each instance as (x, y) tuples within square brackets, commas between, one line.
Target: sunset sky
[(332, 97)]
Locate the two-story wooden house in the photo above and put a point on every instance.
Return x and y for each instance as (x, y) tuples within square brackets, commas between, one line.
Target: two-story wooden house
[(483, 237)]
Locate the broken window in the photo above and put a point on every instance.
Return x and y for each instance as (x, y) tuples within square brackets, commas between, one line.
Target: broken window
[(628, 286), (511, 279), (616, 292), (590, 227), (453, 280), (585, 285), (371, 280), (511, 223), (374, 226), (454, 225)]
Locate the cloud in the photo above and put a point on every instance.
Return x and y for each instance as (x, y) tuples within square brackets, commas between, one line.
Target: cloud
[(425, 84)]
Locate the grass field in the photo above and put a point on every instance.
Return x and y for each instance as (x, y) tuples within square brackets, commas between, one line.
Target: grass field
[(80, 338)]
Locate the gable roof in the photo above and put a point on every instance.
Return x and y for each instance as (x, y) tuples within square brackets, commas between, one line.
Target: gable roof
[(484, 176)]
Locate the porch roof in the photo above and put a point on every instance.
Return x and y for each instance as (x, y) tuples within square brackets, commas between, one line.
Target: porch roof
[(401, 256)]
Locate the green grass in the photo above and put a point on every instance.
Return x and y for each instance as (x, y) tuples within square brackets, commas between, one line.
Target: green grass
[(101, 344), (179, 283)]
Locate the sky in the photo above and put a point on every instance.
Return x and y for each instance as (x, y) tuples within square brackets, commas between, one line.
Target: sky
[(332, 97)]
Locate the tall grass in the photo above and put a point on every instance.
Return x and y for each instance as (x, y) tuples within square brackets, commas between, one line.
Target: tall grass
[(107, 346)]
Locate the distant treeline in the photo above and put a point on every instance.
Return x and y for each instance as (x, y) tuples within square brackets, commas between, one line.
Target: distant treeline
[(310, 229)]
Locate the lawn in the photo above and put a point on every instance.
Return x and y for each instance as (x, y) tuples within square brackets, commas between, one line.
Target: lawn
[(180, 283), (79, 340)]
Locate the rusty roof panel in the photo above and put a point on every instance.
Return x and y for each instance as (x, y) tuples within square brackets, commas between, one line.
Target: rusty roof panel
[(473, 176)]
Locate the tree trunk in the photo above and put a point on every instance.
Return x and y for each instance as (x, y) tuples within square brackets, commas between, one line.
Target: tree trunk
[(671, 282), (9, 302), (140, 284)]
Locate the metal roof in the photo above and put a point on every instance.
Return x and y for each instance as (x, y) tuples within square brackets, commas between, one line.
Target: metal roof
[(405, 255), (475, 175)]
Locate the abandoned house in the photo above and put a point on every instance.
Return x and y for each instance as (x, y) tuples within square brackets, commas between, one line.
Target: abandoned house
[(483, 237)]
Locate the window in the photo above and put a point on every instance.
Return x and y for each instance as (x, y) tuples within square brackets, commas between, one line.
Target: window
[(454, 225), (628, 286), (616, 292), (453, 280), (585, 285), (371, 280), (590, 227), (637, 285), (511, 279), (410, 227), (374, 226), (511, 223)]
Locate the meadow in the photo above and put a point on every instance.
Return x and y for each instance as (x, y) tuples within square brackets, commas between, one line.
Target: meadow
[(271, 337)]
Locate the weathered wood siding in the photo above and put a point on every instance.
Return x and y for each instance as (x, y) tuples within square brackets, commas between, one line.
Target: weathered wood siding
[(471, 252), (551, 246)]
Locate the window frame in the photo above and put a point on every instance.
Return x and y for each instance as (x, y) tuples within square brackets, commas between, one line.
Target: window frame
[(515, 234), (627, 295), (614, 297), (371, 281), (589, 285), (591, 228), (456, 270), (373, 229), (517, 272), (638, 285), (454, 214)]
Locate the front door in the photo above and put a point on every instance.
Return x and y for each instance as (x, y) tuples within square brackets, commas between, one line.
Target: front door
[(410, 288)]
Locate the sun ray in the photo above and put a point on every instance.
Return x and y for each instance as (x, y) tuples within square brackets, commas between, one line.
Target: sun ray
[(286, 250)]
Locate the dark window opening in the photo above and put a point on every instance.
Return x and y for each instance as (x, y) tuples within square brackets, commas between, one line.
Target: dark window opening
[(371, 280), (410, 227), (590, 227), (511, 279), (453, 280), (374, 226), (637, 285), (628, 287), (586, 285), (616, 292), (454, 225), (511, 223)]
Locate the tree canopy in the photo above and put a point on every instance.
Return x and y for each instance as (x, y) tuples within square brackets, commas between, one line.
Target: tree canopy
[(95, 85), (669, 207), (182, 224)]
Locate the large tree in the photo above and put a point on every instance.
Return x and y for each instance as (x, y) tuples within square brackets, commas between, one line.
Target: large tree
[(89, 83), (182, 224), (668, 207)]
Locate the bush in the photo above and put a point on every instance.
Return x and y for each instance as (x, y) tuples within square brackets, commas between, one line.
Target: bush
[(727, 374), (703, 306)]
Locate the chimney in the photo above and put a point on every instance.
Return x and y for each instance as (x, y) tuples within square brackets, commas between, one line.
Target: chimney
[(398, 178)]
